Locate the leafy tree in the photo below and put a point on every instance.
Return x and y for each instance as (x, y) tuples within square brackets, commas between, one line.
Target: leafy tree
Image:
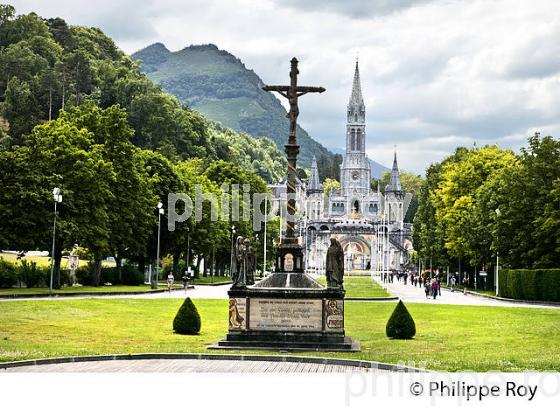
[(330, 185), (131, 204), (56, 154), (528, 207), (19, 108)]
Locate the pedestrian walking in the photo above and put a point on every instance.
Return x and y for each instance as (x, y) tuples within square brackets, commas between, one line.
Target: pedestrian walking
[(170, 280), (427, 289), (434, 288), (185, 279)]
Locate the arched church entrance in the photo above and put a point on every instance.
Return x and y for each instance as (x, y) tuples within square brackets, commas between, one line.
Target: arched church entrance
[(356, 254)]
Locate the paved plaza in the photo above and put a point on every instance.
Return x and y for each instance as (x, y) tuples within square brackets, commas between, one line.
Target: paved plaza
[(189, 366)]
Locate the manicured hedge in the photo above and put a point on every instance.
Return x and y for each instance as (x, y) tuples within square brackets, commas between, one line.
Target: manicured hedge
[(8, 274), (530, 284), (31, 275), (187, 320), (401, 324)]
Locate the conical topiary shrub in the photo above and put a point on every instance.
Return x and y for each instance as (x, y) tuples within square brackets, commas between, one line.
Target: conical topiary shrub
[(400, 324), (187, 320)]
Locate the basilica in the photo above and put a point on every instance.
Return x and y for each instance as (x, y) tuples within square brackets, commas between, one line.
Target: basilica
[(368, 223)]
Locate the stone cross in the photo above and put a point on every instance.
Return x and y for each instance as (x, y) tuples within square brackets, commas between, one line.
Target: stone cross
[(292, 92)]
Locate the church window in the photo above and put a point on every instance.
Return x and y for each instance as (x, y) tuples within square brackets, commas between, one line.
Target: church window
[(359, 144)]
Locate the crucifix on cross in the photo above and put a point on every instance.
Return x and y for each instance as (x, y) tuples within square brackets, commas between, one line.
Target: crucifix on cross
[(292, 92)]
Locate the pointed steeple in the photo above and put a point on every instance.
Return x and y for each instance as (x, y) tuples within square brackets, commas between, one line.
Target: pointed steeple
[(356, 96), (395, 183), (314, 185)]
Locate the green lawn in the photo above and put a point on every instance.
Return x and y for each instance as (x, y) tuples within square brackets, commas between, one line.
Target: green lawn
[(45, 260), (360, 287), (80, 289), (212, 279), (448, 337)]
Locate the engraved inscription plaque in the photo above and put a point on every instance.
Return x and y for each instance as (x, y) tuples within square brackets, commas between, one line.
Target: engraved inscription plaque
[(286, 314), (289, 262)]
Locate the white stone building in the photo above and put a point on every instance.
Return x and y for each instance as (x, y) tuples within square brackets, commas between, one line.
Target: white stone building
[(368, 223)]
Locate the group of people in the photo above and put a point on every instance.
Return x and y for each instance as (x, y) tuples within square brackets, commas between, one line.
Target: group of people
[(171, 280), (431, 284)]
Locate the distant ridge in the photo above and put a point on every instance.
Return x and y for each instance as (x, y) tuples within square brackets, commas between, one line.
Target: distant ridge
[(218, 85)]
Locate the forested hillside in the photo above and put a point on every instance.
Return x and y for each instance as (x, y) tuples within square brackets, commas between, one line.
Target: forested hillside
[(217, 84), (48, 65), (78, 114)]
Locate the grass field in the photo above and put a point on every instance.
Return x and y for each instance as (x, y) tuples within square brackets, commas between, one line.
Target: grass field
[(212, 280), (45, 260), (448, 337), (360, 287)]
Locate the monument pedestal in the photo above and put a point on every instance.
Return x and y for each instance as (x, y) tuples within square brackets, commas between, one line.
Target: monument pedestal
[(287, 311)]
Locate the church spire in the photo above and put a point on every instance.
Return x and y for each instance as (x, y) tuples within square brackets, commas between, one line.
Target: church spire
[(314, 184), (356, 96), (395, 183)]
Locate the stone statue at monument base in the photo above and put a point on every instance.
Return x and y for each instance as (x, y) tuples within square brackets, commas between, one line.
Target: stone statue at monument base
[(335, 265)]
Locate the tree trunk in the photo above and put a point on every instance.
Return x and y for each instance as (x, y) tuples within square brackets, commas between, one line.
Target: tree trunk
[(50, 103), (176, 257), (118, 262), (97, 271), (142, 263), (198, 261)]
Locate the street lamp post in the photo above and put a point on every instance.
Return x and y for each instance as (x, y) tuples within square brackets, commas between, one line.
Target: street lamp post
[(188, 250), (57, 199), (264, 245), (231, 254), (256, 253), (497, 257), (160, 213)]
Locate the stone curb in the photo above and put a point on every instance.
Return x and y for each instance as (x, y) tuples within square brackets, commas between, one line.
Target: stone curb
[(380, 299), (530, 302), (80, 294), (208, 356), (213, 284)]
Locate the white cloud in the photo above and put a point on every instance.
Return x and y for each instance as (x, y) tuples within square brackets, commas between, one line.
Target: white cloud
[(487, 71)]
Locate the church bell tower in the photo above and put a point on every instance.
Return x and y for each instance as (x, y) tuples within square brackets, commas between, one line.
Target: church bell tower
[(355, 169)]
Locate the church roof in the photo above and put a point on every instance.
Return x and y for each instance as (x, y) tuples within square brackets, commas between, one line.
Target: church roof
[(356, 96), (395, 183), (314, 185)]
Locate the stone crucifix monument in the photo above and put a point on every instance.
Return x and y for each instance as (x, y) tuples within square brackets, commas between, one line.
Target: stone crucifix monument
[(289, 310)]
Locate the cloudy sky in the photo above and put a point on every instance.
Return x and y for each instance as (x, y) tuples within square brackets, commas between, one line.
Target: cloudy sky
[(436, 74)]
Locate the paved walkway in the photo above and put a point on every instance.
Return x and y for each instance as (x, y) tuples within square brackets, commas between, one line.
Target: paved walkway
[(188, 366), (415, 294), (199, 292), (407, 293)]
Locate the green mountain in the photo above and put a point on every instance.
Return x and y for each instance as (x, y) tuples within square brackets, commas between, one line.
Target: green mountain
[(218, 85)]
